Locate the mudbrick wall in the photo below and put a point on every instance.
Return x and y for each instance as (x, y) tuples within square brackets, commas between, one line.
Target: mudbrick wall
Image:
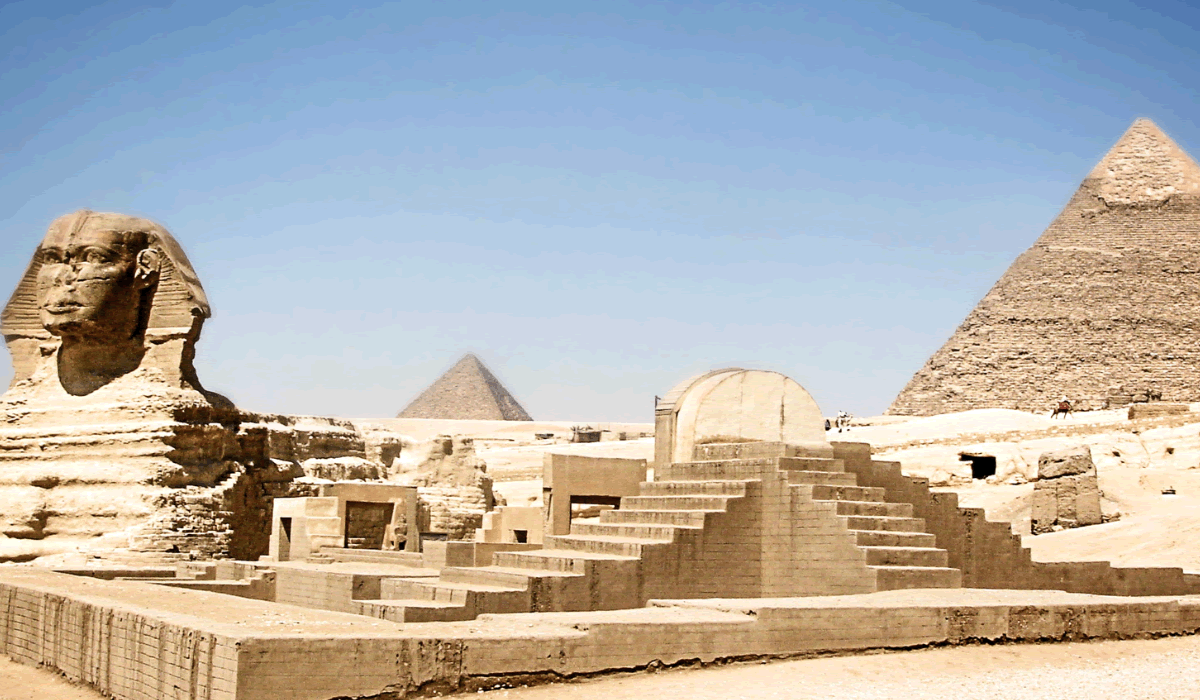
[(1105, 303)]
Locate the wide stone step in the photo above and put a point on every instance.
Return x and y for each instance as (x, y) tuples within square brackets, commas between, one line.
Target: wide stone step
[(440, 590), (501, 577), (816, 464), (744, 450), (620, 546), (887, 538), (694, 488), (878, 522), (379, 556), (665, 533), (889, 578), (720, 470), (890, 510), (811, 464), (553, 560), (413, 610), (827, 478), (685, 518), (674, 502), (906, 556), (828, 492)]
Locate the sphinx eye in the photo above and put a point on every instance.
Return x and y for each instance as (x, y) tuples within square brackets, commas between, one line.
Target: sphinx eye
[(96, 256), (52, 257)]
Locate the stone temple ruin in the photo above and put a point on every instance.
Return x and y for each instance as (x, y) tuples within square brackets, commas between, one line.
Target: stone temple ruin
[(237, 556), (1104, 308)]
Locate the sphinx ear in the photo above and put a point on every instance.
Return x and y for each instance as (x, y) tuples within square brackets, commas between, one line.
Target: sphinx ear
[(149, 261)]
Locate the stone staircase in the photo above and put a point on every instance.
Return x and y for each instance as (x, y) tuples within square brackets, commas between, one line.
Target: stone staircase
[(740, 521), (897, 548)]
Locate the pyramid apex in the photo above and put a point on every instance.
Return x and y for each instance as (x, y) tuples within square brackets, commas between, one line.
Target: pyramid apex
[(1144, 166)]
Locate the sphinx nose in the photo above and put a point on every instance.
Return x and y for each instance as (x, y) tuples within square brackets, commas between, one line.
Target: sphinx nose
[(68, 274)]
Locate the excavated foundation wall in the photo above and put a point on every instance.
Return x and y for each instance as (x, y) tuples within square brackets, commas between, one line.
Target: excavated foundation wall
[(137, 641)]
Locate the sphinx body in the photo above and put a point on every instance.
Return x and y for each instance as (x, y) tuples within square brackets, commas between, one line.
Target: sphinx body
[(108, 441)]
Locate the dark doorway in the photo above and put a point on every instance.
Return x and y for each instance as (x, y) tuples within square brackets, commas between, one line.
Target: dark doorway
[(521, 536), (285, 539), (366, 524), (982, 466), (595, 502)]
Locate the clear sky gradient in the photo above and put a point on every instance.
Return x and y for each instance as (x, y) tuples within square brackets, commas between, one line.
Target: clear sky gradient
[(599, 199)]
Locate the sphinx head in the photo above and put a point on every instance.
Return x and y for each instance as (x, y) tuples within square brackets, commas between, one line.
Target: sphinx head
[(95, 272), (111, 288)]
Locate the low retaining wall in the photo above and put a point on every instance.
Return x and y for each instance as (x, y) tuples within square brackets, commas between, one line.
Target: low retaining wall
[(137, 641)]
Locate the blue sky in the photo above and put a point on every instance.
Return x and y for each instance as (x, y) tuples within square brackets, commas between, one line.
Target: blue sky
[(599, 199)]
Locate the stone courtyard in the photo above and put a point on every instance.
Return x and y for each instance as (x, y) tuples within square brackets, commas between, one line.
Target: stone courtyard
[(158, 541)]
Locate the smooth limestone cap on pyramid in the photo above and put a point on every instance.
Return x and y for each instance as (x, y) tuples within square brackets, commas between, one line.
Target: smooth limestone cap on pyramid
[(467, 391), (1107, 297)]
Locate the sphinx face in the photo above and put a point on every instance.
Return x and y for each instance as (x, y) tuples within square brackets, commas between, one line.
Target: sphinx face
[(87, 287)]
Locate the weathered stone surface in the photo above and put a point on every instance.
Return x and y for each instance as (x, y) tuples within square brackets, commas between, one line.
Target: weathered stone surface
[(1154, 410), (1108, 296), (467, 391), (736, 405), (1067, 493), (1065, 462), (454, 486)]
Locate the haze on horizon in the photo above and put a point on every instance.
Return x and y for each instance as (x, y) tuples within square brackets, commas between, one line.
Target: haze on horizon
[(600, 202)]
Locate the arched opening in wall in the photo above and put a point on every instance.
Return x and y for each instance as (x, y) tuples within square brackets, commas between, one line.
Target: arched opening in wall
[(982, 466)]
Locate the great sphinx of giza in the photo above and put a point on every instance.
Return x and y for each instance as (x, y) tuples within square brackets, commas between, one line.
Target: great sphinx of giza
[(109, 443), (108, 301)]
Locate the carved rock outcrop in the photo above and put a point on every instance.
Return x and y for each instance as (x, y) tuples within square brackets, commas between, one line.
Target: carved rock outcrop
[(454, 486)]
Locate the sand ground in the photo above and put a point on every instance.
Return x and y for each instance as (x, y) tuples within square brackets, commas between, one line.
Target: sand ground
[(19, 682)]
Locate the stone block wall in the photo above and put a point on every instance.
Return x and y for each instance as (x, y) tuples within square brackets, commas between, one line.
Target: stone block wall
[(323, 589), (196, 646), (119, 652)]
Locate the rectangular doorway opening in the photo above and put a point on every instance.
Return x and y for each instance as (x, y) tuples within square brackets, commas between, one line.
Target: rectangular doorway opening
[(366, 524), (285, 539), (982, 466)]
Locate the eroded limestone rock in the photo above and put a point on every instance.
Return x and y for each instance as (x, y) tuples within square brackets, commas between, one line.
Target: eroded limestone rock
[(1067, 493), (454, 486)]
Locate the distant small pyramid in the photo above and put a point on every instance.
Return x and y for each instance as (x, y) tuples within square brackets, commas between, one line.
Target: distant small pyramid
[(1105, 304), (467, 391)]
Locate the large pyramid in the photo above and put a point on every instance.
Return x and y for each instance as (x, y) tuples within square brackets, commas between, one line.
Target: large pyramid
[(1106, 302), (467, 391)]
